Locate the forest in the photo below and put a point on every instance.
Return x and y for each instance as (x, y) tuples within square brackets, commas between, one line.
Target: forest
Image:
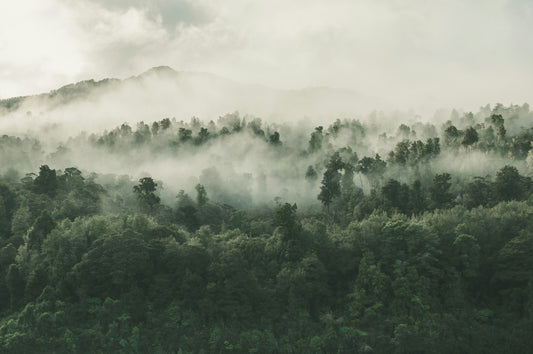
[(388, 234)]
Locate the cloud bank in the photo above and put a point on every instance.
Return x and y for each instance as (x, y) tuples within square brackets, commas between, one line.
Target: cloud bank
[(419, 54)]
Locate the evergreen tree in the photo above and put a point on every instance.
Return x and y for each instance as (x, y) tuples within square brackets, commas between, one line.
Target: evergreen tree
[(508, 184), (470, 137), (439, 190), (201, 196), (46, 181), (40, 229), (310, 174), (146, 196), (331, 187)]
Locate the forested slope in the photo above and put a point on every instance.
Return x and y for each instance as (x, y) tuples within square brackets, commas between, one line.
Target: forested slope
[(348, 238)]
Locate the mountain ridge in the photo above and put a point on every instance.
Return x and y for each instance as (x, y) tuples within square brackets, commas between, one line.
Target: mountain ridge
[(69, 92), (162, 91)]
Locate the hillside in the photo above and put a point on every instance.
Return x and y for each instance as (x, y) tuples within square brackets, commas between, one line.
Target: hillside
[(163, 91), (249, 236)]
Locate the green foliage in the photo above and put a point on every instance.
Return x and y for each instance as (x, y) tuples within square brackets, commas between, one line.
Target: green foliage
[(274, 139), (479, 192), (331, 187), (406, 258), (201, 196), (8, 205), (292, 244), (451, 136), (509, 184), (315, 143), (310, 174), (46, 181), (146, 196), (470, 137), (439, 190), (371, 166), (396, 196), (40, 229), (129, 284), (466, 260)]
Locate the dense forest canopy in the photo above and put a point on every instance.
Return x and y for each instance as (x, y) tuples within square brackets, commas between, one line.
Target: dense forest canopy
[(240, 235)]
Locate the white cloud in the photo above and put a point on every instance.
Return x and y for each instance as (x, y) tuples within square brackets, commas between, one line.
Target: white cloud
[(415, 52), (35, 47)]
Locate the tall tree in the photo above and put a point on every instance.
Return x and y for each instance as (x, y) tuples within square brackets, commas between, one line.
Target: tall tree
[(417, 200), (8, 204), (478, 192), (40, 229), (315, 143), (451, 135), (500, 133), (470, 137), (508, 184), (291, 231), (497, 120), (201, 195), (15, 284), (391, 193), (46, 181), (439, 190), (331, 186), (274, 139), (310, 174), (146, 196)]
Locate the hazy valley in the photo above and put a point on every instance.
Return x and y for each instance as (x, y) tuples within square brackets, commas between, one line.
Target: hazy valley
[(125, 212)]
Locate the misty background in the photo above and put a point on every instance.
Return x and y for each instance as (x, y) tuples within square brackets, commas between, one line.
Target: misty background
[(266, 176), (73, 72), (414, 54)]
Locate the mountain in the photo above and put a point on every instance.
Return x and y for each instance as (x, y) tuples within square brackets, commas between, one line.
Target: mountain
[(164, 92), (63, 95)]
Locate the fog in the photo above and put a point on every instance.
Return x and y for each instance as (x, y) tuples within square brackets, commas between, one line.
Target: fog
[(163, 92), (114, 128), (375, 65), (415, 54), (266, 176)]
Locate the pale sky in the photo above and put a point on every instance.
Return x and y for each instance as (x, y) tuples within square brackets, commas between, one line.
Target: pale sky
[(442, 53)]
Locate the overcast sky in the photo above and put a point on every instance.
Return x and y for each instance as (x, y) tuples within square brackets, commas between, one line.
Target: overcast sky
[(442, 53)]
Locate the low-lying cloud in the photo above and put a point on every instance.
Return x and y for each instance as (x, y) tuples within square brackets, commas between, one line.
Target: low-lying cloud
[(416, 54)]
